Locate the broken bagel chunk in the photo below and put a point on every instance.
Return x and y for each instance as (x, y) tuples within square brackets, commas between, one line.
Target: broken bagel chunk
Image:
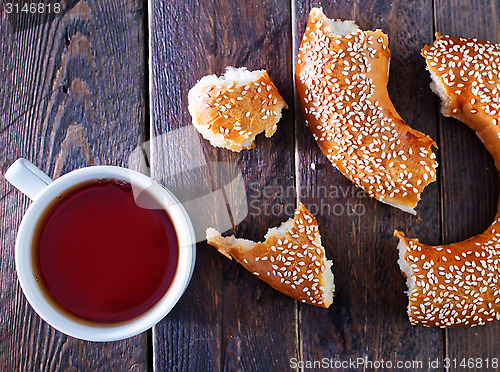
[(455, 284), (341, 78), (231, 110), (291, 259), (466, 76)]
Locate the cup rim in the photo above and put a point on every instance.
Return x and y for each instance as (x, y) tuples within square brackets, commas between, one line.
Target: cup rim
[(96, 331)]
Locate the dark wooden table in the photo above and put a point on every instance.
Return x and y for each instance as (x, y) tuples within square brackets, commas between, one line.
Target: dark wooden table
[(88, 85)]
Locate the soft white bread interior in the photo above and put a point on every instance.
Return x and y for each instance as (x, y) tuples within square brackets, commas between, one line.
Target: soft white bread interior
[(291, 259), (336, 27), (437, 86), (341, 78), (406, 269), (231, 110)]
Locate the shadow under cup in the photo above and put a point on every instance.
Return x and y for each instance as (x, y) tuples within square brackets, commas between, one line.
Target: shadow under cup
[(109, 255)]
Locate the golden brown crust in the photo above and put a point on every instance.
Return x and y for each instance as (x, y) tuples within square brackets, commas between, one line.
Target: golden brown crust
[(293, 263), (455, 284), (342, 86), (469, 72), (230, 115), (459, 283)]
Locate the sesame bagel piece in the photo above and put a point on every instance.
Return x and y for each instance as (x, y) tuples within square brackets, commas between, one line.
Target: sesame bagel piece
[(341, 78), (455, 284), (466, 75), (459, 284), (291, 260), (231, 110)]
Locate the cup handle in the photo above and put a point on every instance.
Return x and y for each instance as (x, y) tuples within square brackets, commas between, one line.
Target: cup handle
[(27, 178)]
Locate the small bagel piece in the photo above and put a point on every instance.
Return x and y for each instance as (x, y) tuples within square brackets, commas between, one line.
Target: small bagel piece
[(341, 78), (291, 259), (231, 110), (459, 284)]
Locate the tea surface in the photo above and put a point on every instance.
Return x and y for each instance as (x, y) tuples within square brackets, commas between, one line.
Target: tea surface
[(102, 257)]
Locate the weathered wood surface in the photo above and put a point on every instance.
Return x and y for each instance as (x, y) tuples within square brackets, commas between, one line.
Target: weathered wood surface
[(228, 319), (72, 94), (368, 317), (470, 187)]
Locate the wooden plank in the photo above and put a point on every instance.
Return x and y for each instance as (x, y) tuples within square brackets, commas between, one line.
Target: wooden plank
[(368, 317), (72, 95), (469, 178), (228, 319), (181, 42), (259, 324)]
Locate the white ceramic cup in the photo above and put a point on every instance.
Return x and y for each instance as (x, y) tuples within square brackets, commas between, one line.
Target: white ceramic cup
[(43, 191)]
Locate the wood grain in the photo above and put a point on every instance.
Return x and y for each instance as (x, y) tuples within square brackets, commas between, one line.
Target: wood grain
[(368, 317), (72, 95), (181, 47), (468, 173), (228, 319), (259, 324)]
